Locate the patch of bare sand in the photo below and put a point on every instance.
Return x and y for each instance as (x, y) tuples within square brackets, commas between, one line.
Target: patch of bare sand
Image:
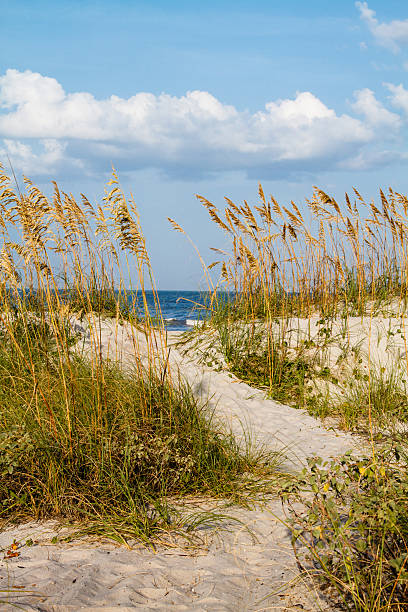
[(233, 569)]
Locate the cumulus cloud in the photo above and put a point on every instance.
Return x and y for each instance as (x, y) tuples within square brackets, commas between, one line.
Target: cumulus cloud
[(370, 160), (399, 96), (36, 159), (375, 113), (45, 129), (390, 35)]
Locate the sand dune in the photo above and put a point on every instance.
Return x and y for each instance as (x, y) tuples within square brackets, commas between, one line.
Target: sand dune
[(232, 569)]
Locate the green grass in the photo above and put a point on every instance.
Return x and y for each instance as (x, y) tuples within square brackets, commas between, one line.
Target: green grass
[(296, 373), (262, 361), (85, 442), (371, 402)]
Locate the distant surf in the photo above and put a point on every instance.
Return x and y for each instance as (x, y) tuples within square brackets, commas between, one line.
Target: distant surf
[(181, 310), (180, 324)]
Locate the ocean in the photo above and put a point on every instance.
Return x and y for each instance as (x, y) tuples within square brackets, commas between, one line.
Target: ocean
[(180, 309)]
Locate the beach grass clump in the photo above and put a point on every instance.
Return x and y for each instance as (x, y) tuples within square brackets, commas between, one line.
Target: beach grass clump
[(354, 528), (372, 403), (94, 444), (82, 438), (276, 369)]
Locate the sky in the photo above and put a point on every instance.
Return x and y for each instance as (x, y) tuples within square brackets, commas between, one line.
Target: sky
[(187, 97)]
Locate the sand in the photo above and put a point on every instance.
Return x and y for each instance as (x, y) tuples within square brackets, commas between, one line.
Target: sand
[(231, 569)]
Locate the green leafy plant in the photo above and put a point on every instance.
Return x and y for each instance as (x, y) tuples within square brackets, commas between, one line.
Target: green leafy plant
[(353, 533)]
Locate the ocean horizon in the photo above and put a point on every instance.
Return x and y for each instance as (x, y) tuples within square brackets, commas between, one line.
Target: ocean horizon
[(181, 310)]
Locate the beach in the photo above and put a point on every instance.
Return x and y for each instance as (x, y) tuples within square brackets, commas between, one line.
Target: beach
[(251, 463)]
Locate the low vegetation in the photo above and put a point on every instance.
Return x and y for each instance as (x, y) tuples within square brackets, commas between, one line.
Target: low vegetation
[(354, 529), (91, 443)]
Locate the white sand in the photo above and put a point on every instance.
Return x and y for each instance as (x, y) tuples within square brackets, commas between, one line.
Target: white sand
[(229, 571)]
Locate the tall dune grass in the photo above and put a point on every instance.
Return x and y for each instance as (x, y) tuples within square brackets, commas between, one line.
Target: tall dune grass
[(332, 256), (79, 438), (327, 262)]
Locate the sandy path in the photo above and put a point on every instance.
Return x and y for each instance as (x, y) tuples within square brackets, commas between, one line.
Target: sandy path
[(246, 410), (228, 572), (242, 408), (231, 571)]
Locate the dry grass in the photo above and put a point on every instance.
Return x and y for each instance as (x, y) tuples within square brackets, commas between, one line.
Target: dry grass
[(79, 438), (331, 261), (342, 257)]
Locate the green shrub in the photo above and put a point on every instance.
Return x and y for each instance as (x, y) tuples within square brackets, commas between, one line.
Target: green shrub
[(355, 528)]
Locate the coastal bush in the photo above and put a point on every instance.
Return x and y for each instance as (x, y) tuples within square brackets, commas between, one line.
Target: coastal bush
[(354, 528)]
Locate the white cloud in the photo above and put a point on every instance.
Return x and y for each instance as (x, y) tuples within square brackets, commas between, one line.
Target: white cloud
[(399, 96), (46, 130), (390, 35), (33, 160), (375, 113), (366, 160)]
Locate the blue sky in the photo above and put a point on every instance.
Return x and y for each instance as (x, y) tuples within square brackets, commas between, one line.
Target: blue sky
[(204, 97)]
